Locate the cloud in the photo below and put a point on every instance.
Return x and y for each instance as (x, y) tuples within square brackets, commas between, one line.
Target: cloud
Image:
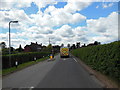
[(15, 39), (76, 5), (105, 5), (97, 6), (51, 18), (56, 17), (19, 15), (71, 35), (11, 4), (105, 27), (18, 4), (42, 3), (65, 32), (80, 31)]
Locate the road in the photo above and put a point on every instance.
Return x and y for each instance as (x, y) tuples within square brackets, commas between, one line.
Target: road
[(60, 73)]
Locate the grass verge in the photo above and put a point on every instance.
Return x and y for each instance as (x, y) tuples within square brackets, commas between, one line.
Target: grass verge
[(21, 66)]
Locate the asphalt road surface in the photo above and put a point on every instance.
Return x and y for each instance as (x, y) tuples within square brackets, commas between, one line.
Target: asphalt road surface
[(60, 73)]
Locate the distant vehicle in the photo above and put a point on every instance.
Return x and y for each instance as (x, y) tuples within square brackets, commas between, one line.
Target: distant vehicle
[(64, 52)]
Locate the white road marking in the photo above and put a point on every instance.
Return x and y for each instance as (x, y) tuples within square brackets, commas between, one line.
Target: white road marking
[(31, 88), (64, 59), (75, 59)]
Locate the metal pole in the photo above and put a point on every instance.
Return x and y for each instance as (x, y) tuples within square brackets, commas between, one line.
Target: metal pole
[(10, 42), (9, 38), (9, 46)]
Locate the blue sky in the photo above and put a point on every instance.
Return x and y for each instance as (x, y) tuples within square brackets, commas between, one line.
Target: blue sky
[(74, 22), (92, 13), (32, 9)]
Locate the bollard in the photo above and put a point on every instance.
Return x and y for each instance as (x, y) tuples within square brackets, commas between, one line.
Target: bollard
[(35, 59), (16, 64), (51, 56)]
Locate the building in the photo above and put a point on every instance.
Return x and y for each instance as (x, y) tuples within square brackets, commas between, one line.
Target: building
[(33, 47)]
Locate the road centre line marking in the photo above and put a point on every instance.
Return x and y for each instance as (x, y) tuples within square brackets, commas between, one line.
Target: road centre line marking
[(31, 88), (75, 59)]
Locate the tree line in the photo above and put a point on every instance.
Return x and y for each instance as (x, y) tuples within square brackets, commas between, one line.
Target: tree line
[(35, 47)]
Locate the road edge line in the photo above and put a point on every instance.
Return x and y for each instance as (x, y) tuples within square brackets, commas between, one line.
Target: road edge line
[(90, 71), (74, 59)]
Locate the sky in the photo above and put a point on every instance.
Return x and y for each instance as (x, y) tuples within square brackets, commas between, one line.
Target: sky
[(66, 22)]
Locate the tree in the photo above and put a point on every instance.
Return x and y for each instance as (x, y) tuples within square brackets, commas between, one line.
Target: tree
[(96, 43), (3, 45), (68, 45), (12, 49), (73, 46), (56, 48), (84, 45), (49, 48), (62, 45), (20, 49), (4, 49), (78, 45)]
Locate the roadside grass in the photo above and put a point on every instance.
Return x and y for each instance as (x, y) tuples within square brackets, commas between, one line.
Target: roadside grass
[(21, 66)]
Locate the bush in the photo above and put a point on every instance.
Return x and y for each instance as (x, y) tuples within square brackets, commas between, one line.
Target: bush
[(21, 58), (104, 58)]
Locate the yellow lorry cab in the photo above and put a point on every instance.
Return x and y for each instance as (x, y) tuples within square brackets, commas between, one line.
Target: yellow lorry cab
[(64, 52)]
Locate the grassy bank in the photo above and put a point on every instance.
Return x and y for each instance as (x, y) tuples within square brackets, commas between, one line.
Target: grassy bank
[(104, 58), (21, 66)]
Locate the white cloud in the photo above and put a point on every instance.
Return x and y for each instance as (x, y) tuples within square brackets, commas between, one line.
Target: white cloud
[(65, 32), (19, 15), (105, 27), (59, 17), (15, 40), (105, 5), (80, 31), (70, 35), (11, 4), (103, 39), (42, 3), (76, 5), (5, 5), (103, 24), (97, 6)]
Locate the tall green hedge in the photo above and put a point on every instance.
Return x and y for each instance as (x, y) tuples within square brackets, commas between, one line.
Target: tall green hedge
[(104, 58), (21, 58)]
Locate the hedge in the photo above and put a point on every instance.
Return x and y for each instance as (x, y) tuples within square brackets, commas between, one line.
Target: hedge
[(21, 58), (104, 58)]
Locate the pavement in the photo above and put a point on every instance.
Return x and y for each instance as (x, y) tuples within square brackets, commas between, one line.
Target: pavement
[(57, 73)]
